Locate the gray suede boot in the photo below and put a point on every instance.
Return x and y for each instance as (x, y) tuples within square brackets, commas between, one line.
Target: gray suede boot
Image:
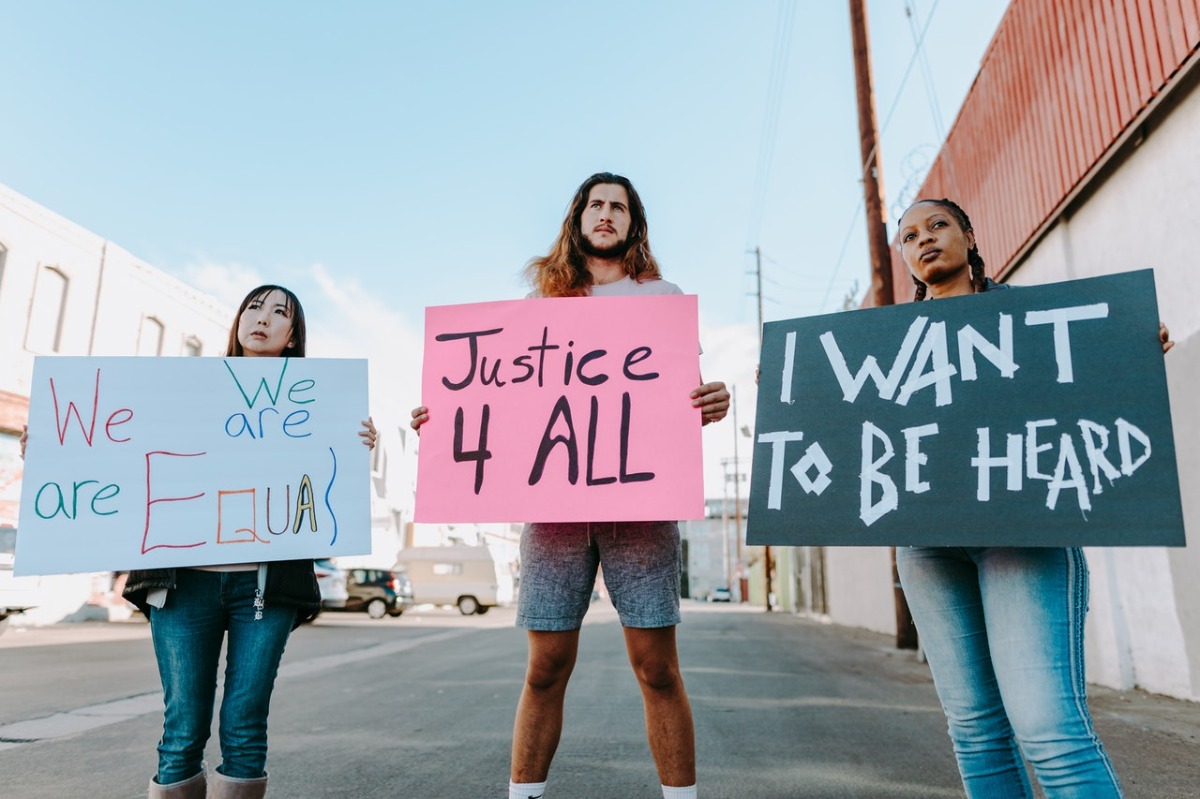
[(191, 788), (222, 787)]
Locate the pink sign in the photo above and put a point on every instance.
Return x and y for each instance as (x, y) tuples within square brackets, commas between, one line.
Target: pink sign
[(556, 410)]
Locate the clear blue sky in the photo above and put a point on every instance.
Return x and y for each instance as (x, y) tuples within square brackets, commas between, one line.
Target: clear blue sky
[(384, 156)]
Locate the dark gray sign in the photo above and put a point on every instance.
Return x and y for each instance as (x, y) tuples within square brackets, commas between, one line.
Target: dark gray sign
[(1024, 417)]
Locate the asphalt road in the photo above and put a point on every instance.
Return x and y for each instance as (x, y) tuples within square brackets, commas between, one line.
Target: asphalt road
[(421, 707)]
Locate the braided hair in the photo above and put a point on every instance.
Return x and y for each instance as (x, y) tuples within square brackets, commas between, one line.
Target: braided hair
[(974, 259)]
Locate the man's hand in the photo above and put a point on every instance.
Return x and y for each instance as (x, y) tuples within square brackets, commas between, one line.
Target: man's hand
[(713, 401), (420, 415), (1164, 336), (24, 439)]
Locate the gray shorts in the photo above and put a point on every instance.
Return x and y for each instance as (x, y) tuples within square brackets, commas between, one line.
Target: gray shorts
[(641, 566)]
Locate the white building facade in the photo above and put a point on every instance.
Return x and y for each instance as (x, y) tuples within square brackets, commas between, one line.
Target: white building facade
[(67, 291)]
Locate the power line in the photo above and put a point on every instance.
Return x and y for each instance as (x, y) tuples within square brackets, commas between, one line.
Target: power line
[(910, 11), (918, 51), (845, 245), (781, 51), (903, 82)]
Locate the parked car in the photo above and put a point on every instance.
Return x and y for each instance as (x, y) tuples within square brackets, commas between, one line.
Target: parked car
[(721, 594), (17, 594), (332, 582), (379, 592)]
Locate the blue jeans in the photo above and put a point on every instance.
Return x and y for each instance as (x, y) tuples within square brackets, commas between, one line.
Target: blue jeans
[(188, 632), (1003, 631)]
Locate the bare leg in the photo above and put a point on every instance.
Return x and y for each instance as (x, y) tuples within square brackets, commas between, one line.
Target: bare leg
[(655, 662), (538, 725)]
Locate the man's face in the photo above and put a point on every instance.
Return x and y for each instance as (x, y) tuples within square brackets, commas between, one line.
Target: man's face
[(605, 221)]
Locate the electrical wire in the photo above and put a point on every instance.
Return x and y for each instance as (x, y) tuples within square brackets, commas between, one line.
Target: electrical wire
[(918, 52), (781, 51)]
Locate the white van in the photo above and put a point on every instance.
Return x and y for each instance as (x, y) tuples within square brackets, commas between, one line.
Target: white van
[(455, 575)]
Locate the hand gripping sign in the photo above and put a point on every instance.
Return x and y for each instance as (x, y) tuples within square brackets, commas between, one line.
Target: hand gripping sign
[(1026, 417), (559, 410), (137, 463)]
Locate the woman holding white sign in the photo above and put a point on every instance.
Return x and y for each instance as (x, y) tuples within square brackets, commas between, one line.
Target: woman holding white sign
[(1002, 627), (251, 607)]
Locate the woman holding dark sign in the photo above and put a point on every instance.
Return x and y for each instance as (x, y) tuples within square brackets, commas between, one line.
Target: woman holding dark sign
[(250, 607), (1002, 627)]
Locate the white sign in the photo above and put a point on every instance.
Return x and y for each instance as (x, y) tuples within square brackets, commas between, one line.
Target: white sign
[(138, 463)]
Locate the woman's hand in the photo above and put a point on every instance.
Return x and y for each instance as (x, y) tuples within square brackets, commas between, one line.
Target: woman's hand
[(1164, 336), (368, 434), (420, 416), (713, 401), (24, 439)]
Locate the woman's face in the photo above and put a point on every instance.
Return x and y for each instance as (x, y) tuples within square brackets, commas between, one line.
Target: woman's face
[(265, 327), (934, 247)]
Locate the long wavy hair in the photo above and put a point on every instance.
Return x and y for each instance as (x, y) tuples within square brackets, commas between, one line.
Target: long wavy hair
[(294, 309), (974, 259), (562, 272)]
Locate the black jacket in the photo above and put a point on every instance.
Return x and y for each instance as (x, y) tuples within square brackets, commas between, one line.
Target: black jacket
[(289, 582)]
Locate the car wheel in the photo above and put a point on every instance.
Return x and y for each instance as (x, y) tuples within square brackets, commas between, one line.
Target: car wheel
[(396, 612), (483, 609), (377, 608), (468, 605)]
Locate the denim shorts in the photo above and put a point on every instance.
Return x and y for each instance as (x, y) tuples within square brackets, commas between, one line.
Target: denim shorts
[(640, 562)]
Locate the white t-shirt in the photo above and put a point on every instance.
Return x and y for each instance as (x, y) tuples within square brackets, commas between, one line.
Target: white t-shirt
[(628, 287)]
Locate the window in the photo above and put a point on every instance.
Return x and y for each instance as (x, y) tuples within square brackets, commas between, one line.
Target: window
[(44, 333), (192, 347), (3, 252), (150, 337), (445, 569)]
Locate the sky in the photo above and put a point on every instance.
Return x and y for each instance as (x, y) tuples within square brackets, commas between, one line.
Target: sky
[(381, 157)]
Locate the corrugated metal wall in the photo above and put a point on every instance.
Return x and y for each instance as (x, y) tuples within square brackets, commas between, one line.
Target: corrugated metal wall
[(1060, 83)]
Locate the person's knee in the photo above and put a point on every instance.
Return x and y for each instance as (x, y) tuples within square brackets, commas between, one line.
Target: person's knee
[(659, 674), (549, 671)]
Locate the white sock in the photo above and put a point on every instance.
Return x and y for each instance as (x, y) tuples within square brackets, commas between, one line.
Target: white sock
[(679, 793), (526, 790)]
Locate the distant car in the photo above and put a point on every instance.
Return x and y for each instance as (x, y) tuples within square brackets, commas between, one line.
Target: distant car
[(379, 592), (332, 582), (17, 594), (720, 595)]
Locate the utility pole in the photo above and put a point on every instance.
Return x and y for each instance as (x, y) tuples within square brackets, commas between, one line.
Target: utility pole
[(736, 432), (882, 292), (737, 484), (872, 171), (758, 292)]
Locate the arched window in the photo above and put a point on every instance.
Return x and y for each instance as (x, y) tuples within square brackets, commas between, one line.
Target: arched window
[(3, 252), (192, 346), (44, 333), (150, 336)]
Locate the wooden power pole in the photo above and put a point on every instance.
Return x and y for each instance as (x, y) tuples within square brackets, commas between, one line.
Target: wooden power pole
[(882, 291)]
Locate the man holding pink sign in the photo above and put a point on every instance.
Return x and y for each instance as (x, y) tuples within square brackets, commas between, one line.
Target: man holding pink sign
[(602, 251)]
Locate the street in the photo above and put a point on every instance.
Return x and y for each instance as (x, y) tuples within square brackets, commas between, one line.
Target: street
[(422, 706)]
